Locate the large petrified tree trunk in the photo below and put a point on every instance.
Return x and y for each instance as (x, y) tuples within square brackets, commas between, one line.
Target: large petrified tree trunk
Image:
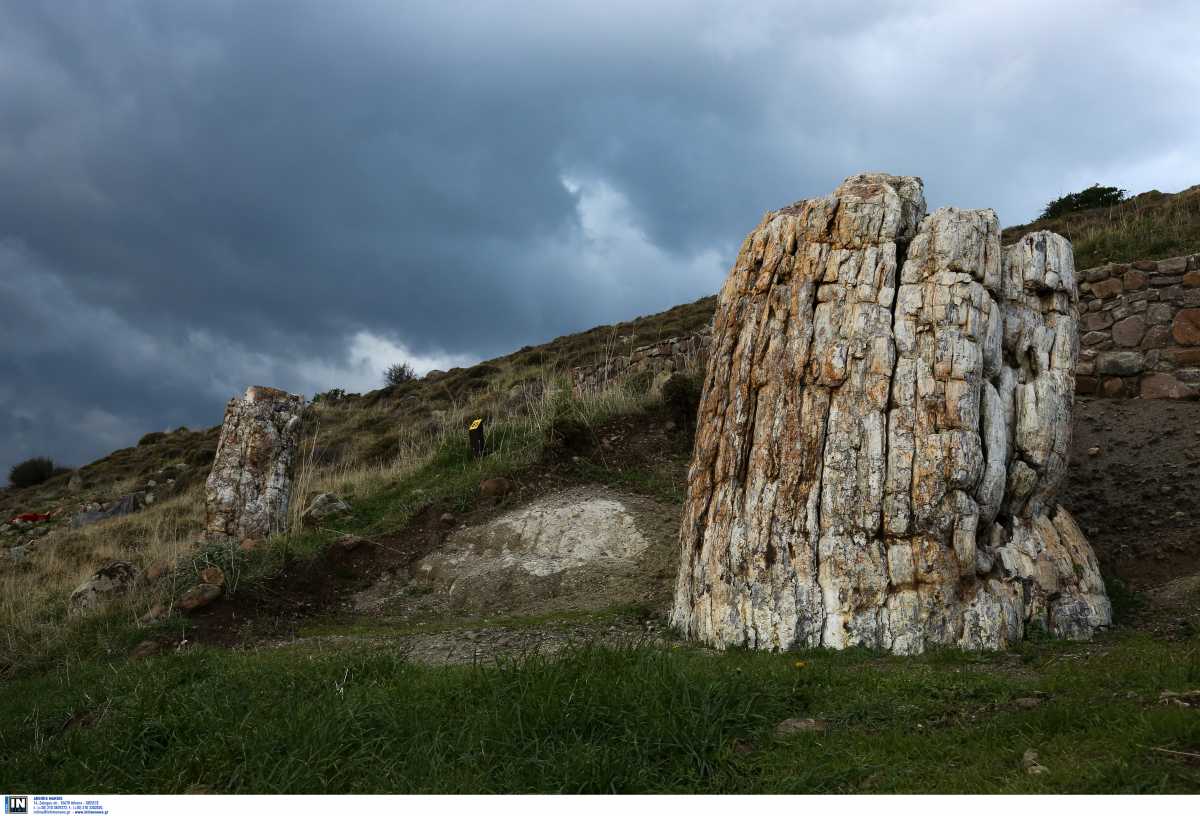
[(250, 487), (885, 419)]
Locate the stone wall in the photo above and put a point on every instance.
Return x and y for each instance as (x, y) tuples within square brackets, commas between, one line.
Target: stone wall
[(1139, 335), (1139, 330), (661, 358)]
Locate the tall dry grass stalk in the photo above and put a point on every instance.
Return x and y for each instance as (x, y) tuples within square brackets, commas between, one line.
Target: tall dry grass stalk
[(302, 478)]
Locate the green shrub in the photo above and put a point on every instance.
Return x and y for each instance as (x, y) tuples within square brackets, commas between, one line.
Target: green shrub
[(1089, 199), (332, 395), (31, 472), (681, 395), (151, 438), (399, 374)]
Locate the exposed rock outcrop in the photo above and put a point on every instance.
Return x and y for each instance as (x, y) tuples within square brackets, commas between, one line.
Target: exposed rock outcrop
[(323, 506), (250, 487), (109, 582), (885, 419)]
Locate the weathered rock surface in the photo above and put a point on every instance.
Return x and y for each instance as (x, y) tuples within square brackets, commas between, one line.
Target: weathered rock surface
[(586, 548), (250, 487), (885, 419), (108, 582), (198, 597), (325, 505), (547, 536)]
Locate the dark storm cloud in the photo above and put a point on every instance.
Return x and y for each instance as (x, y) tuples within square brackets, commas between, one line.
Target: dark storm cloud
[(194, 196)]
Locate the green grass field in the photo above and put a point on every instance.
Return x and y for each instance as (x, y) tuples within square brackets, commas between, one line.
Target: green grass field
[(601, 719)]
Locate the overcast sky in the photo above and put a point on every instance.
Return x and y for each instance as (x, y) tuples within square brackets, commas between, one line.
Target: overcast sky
[(198, 196)]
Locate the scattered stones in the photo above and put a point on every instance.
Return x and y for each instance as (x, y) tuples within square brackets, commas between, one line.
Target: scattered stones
[(17, 554), (109, 582), (325, 505), (121, 507), (155, 614), (75, 483), (447, 519), (496, 488), (801, 725), (198, 597), (1093, 451), (887, 394), (249, 490), (347, 543), (1029, 761), (1187, 699), (147, 648)]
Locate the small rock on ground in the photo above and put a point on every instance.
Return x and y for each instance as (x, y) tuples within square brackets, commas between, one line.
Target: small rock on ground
[(147, 648), (1030, 762), (212, 575), (198, 597), (801, 725)]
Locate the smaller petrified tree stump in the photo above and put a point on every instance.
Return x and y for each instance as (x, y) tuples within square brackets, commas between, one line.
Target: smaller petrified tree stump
[(250, 487)]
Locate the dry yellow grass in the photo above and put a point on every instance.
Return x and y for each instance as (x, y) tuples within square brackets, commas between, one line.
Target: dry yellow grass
[(34, 593)]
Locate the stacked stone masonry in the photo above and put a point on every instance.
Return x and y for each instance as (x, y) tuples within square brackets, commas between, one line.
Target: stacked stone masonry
[(1139, 335), (1139, 329), (661, 358)]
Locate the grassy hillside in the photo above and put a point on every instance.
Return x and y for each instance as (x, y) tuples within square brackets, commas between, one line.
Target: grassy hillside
[(318, 698), (1150, 226)]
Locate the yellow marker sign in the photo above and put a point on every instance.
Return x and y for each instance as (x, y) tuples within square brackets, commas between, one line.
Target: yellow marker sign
[(475, 424)]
